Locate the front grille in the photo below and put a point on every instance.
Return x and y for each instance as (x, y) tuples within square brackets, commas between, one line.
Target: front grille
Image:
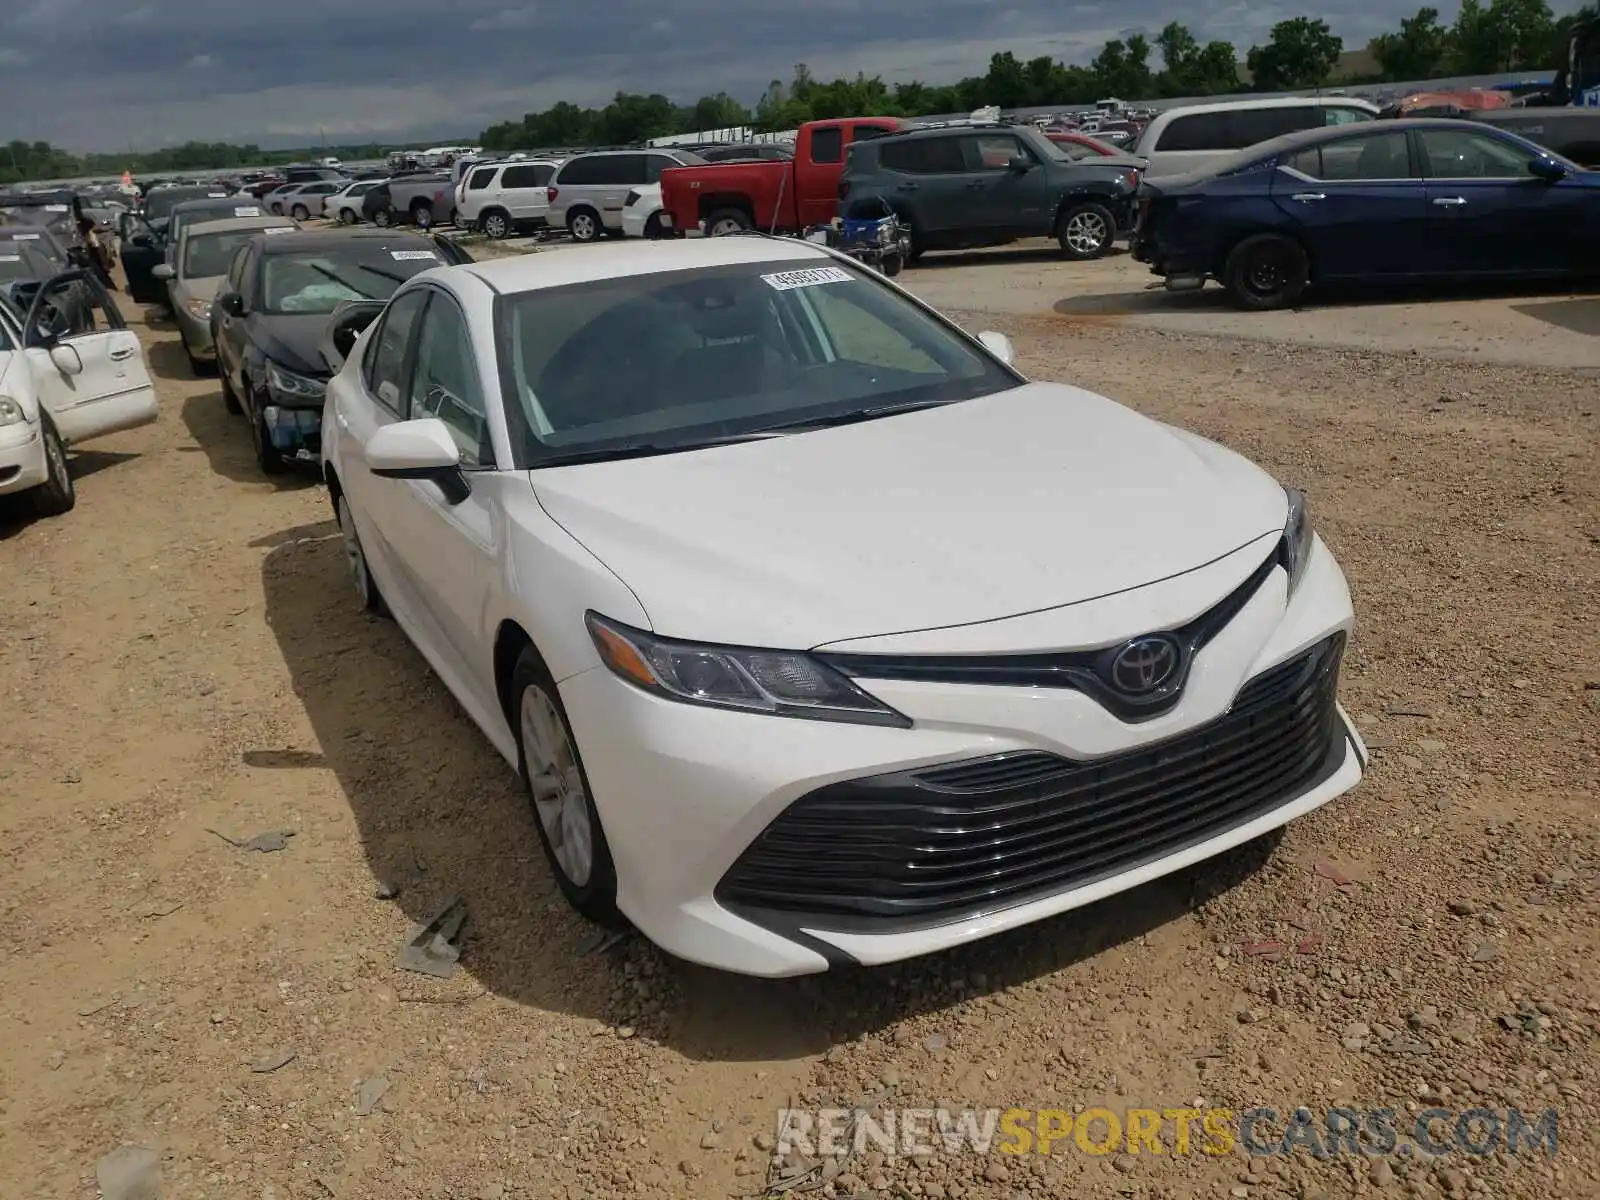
[(930, 846)]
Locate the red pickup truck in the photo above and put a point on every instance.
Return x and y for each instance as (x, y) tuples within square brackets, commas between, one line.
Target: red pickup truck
[(786, 197)]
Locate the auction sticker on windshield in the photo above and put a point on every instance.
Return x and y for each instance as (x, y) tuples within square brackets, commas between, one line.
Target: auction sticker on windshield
[(281, 229), (411, 255), (10, 258), (55, 208), (249, 210), (22, 237), (785, 281)]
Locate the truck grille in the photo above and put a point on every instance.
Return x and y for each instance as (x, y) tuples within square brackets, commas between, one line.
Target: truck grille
[(938, 844)]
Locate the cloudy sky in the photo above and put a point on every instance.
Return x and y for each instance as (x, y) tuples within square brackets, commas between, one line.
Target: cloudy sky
[(115, 74)]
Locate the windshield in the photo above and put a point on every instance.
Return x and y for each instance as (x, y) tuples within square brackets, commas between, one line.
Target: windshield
[(672, 360), (23, 260), (159, 204), (37, 242), (317, 281), (210, 254)]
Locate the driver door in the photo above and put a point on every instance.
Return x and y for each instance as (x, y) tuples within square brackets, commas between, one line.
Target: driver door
[(142, 250), (91, 377)]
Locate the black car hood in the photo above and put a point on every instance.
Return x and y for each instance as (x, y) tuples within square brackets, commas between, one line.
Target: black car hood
[(291, 340)]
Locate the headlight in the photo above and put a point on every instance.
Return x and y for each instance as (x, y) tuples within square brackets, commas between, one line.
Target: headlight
[(11, 412), (200, 310), (781, 683), (287, 383), (1295, 548)]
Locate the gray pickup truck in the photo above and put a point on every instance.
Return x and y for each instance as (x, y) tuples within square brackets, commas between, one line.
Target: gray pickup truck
[(424, 199)]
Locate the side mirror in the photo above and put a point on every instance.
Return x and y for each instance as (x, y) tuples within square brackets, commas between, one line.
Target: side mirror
[(67, 359), (231, 303), (1547, 170), (999, 345), (420, 449), (162, 271), (1021, 164)]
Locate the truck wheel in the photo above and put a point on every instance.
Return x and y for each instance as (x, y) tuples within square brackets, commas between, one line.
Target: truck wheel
[(1266, 271), (383, 218), (422, 214), (726, 221), (1086, 231), (890, 265), (583, 225)]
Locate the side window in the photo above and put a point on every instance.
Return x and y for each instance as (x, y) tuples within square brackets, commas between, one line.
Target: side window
[(579, 171), (626, 169), (542, 173), (1248, 126), (247, 275), (827, 145), (480, 178), (1202, 131), (384, 367), (236, 267), (991, 151), (1462, 154), (1333, 115), (1348, 160), (520, 177), (657, 163), (866, 133), (924, 156), (444, 383)]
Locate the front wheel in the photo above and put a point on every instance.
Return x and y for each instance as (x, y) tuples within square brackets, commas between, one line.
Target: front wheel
[(1086, 231), (1266, 271), (727, 221), (558, 788), (652, 227), (891, 264), (230, 398), (56, 495), (268, 457), (356, 558), (346, 217), (300, 212)]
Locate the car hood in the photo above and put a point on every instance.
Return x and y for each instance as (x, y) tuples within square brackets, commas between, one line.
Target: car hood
[(1035, 498), (291, 340)]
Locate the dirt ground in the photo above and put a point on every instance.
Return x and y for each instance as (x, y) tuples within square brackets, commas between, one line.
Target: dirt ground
[(183, 659)]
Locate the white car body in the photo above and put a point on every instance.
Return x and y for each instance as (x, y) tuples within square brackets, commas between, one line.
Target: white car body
[(503, 197), (1193, 136), (348, 198), (1035, 520), (87, 386), (643, 202)]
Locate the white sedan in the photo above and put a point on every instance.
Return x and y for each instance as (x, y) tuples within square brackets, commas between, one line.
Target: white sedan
[(640, 212), (817, 632), (61, 384)]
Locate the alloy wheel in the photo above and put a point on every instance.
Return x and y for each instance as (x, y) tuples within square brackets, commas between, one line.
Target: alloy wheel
[(1086, 232), (559, 795)]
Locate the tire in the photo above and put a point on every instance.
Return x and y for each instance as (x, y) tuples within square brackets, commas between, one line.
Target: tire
[(584, 225), (276, 209), (422, 214), (652, 227), (267, 456), (1086, 230), (558, 792), (347, 217), (496, 225), (383, 218), (727, 221), (356, 558), (57, 494), (199, 368), (300, 212), (1266, 271), (891, 265), (230, 398)]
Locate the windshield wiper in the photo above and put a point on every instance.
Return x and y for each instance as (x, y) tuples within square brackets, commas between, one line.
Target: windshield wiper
[(854, 415), (649, 449)]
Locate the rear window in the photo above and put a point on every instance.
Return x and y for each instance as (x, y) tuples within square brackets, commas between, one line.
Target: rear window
[(924, 156), (827, 145), (612, 169)]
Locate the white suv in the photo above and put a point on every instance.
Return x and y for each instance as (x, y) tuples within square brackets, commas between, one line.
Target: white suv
[(505, 197), (589, 192)]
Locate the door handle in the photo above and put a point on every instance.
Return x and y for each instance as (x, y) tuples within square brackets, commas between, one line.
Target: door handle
[(121, 353), (1450, 201), (908, 187), (1307, 196)]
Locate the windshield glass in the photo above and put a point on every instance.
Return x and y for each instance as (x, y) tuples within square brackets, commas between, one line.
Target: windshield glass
[(30, 241), (675, 359), (23, 260), (317, 281), (160, 203), (209, 254)]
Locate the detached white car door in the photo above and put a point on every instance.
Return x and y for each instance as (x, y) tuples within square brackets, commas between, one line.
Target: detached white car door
[(442, 551), (87, 365)]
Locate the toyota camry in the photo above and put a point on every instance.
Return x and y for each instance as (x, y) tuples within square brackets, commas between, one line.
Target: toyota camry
[(817, 632)]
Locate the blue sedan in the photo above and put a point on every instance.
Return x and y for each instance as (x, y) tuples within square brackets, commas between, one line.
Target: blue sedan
[(1384, 201)]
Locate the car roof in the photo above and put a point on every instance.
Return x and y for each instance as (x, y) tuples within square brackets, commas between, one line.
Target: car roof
[(531, 272), (1189, 110), (202, 203), (232, 224), (333, 239), (1329, 133)]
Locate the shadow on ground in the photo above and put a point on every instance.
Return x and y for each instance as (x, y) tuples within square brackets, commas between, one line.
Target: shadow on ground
[(1032, 252), (427, 791), (17, 512), (1570, 311), (225, 438)]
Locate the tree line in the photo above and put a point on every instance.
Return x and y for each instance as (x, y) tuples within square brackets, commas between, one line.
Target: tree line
[(1302, 52)]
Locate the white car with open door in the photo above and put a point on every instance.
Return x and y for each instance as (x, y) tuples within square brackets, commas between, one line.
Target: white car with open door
[(65, 376), (817, 632)]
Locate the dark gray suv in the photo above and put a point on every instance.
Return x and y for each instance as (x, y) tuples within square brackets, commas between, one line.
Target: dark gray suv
[(964, 185)]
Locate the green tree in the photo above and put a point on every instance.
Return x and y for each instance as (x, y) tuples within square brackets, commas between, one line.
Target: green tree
[(1505, 35), (1301, 53), (1194, 70), (721, 111), (1418, 51)]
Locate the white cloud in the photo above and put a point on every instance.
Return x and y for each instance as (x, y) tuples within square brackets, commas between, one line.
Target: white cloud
[(10, 57), (506, 18), (136, 16)]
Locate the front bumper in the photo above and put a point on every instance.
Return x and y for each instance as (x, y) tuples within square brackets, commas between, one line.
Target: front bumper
[(296, 433), (196, 333), (22, 463), (704, 809)]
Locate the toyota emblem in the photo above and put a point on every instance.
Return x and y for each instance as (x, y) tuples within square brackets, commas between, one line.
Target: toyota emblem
[(1145, 664)]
